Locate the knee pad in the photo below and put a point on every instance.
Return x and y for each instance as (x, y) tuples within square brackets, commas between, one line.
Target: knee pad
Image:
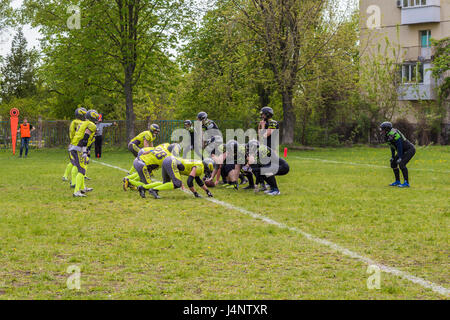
[(190, 181)]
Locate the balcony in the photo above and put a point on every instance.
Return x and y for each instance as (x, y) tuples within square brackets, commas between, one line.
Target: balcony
[(417, 53), (416, 91), (422, 14)]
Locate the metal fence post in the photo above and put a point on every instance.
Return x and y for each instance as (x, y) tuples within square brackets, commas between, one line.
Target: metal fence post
[(39, 133)]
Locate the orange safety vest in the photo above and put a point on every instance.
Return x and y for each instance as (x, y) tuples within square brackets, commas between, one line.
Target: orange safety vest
[(25, 130)]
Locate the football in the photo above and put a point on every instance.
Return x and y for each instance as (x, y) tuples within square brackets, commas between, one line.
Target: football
[(210, 183)]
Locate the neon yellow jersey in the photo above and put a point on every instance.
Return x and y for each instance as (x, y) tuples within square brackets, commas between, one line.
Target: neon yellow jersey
[(147, 135), (154, 156), (73, 127), (79, 134), (189, 164)]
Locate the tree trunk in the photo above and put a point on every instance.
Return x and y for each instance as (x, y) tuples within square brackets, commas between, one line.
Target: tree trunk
[(288, 117), (130, 116)]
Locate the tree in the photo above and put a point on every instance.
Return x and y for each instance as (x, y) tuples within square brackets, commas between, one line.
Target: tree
[(120, 45), (292, 34), (226, 73), (19, 70), (440, 71), (5, 14)]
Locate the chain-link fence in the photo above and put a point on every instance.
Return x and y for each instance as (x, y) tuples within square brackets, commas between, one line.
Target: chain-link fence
[(54, 133)]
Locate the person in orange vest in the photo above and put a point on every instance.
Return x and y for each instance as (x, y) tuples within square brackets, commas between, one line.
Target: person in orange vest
[(25, 135)]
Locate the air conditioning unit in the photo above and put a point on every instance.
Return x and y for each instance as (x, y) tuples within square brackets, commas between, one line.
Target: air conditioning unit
[(399, 3)]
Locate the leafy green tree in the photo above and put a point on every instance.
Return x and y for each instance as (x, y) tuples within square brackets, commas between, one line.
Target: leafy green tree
[(18, 73), (292, 34), (117, 47)]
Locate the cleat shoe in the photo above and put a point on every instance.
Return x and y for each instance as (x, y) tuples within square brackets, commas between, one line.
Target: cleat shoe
[(64, 179), (79, 194), (125, 184), (72, 186), (142, 190), (404, 185), (396, 183), (154, 193), (244, 181), (274, 193), (86, 190), (197, 195), (268, 191), (249, 188), (262, 187), (87, 178)]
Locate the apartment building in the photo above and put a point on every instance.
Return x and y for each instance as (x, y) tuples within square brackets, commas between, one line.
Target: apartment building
[(408, 24)]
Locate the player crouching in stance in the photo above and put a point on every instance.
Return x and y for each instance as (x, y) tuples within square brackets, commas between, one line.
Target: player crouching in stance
[(405, 151), (265, 165), (143, 140), (82, 140), (194, 169), (148, 159), (229, 164)]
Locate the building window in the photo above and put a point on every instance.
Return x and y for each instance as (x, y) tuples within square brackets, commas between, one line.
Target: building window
[(414, 3), (412, 73), (425, 36)]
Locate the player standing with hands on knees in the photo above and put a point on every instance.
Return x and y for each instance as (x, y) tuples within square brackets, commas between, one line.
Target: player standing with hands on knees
[(402, 151)]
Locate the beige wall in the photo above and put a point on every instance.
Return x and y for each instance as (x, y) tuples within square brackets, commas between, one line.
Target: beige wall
[(391, 28), (403, 36)]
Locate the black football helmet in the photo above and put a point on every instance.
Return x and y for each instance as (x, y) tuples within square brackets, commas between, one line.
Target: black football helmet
[(187, 123), (267, 112), (385, 127), (202, 116)]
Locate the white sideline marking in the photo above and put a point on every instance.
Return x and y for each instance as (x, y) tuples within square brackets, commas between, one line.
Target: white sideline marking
[(422, 282), (367, 164)]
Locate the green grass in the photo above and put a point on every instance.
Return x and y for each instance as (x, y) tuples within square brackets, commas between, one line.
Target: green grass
[(180, 247)]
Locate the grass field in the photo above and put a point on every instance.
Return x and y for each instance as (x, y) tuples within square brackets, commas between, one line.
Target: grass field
[(180, 247)]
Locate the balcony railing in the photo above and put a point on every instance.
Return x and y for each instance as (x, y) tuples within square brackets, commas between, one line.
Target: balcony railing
[(421, 14), (416, 91), (417, 53)]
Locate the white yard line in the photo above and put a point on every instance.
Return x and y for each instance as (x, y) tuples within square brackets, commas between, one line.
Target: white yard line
[(404, 275), (365, 164)]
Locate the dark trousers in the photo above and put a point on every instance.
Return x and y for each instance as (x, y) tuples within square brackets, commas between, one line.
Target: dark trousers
[(98, 146), (24, 143)]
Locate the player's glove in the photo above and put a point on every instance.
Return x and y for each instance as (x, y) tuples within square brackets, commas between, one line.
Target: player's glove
[(399, 160), (196, 195), (209, 193), (85, 154)]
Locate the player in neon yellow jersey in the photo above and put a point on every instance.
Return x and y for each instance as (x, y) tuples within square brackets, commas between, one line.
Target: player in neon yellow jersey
[(194, 169), (83, 138), (79, 118), (143, 140), (148, 159)]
